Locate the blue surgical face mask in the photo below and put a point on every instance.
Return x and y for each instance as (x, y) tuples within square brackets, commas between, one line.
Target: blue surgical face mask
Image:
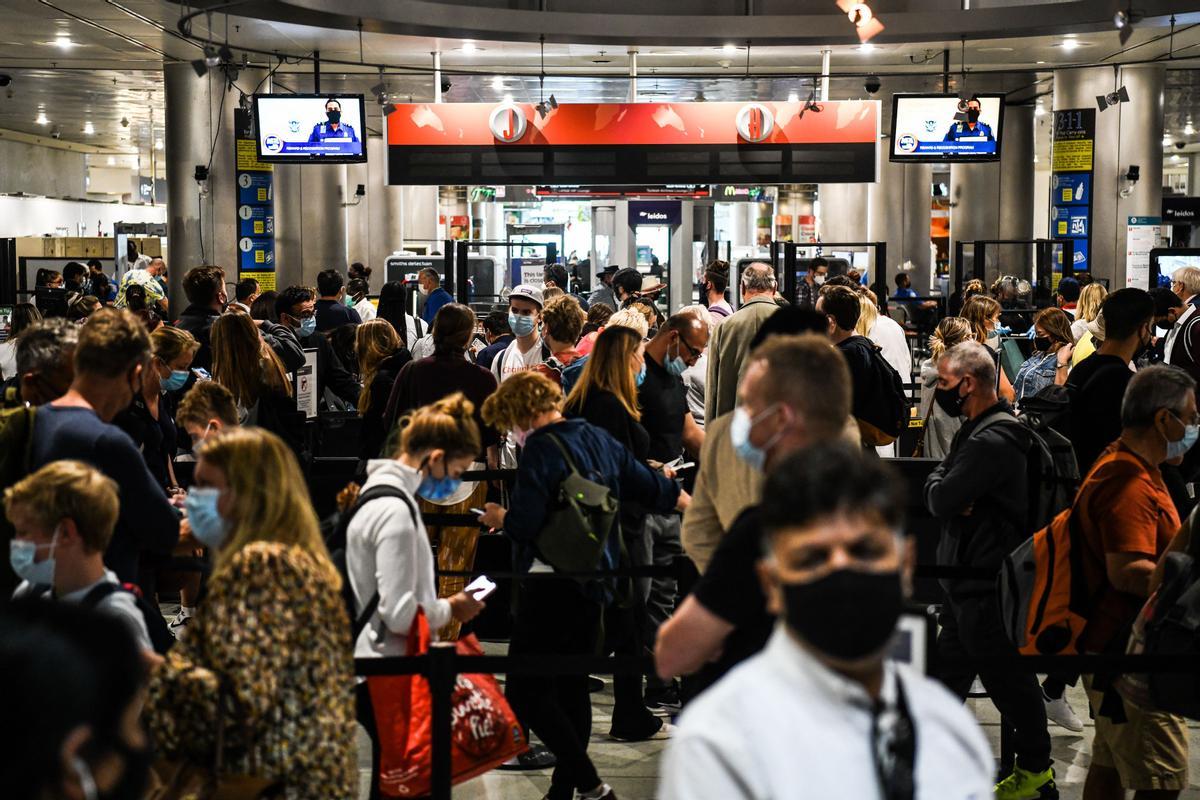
[(21, 555), (435, 489), (739, 433), (675, 364), (520, 325), (1179, 448), (208, 526), (640, 377), (308, 326), (175, 381)]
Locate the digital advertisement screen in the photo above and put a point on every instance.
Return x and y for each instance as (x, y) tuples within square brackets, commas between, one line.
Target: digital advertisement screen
[(936, 127), (324, 128)]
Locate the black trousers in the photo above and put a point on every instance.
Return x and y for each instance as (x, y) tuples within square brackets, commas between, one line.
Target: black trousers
[(972, 628), (553, 616)]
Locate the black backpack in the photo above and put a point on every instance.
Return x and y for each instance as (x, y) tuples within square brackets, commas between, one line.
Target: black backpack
[(1172, 628), (160, 635), (881, 405), (336, 544)]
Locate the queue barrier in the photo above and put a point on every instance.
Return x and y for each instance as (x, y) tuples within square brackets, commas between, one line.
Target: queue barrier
[(442, 665)]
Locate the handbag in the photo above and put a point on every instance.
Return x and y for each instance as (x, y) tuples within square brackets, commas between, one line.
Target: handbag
[(579, 522), (183, 780), (484, 730)]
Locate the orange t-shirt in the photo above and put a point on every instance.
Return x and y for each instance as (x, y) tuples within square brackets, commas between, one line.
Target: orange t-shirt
[(1124, 507)]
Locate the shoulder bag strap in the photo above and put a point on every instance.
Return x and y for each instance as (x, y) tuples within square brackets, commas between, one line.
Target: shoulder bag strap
[(563, 449)]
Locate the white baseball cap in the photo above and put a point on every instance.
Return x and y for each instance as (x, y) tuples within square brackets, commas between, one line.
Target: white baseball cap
[(527, 291)]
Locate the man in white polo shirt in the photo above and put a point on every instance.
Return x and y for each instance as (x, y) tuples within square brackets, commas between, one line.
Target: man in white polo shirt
[(821, 713)]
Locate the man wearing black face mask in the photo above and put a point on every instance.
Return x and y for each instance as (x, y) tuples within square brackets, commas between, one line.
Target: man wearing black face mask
[(333, 127), (821, 712), (980, 495), (970, 129)]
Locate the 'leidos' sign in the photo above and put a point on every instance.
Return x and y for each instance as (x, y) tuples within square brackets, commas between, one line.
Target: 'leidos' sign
[(755, 122), (507, 123)]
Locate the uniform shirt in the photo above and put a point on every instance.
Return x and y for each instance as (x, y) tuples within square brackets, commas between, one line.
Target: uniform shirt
[(785, 726), (120, 604), (321, 131), (959, 131), (433, 303)]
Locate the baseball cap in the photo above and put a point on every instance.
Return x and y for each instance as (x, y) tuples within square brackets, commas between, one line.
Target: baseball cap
[(527, 291)]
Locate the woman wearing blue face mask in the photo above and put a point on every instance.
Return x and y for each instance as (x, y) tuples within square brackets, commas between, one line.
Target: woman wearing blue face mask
[(150, 418), (270, 644), (387, 549)]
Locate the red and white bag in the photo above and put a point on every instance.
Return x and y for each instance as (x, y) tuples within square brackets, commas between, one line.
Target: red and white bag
[(484, 730)]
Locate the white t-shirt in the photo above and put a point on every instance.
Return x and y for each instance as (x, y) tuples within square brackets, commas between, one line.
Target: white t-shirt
[(784, 725), (120, 604), (366, 310), (504, 366)]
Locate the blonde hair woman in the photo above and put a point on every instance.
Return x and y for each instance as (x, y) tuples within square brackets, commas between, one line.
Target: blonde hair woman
[(1088, 308), (381, 355), (560, 615), (268, 654), (983, 313), (939, 427)]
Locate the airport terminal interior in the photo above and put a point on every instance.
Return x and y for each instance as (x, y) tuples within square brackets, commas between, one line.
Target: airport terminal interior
[(779, 399)]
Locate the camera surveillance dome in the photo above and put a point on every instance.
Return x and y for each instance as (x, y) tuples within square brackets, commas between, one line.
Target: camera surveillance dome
[(872, 84)]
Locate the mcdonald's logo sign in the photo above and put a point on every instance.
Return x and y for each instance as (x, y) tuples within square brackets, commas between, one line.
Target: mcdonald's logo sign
[(755, 122), (507, 122)]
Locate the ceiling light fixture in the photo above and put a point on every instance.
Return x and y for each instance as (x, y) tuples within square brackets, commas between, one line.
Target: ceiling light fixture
[(88, 128), (1040, 109), (1188, 130), (730, 49), (1069, 44), (544, 106), (158, 144), (468, 47), (41, 118), (497, 84), (1124, 21), (866, 47), (866, 24), (63, 41)]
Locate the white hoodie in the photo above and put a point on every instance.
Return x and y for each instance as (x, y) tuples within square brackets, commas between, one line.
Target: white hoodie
[(387, 551)]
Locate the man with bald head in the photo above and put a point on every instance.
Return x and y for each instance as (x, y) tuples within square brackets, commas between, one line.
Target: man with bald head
[(731, 340)]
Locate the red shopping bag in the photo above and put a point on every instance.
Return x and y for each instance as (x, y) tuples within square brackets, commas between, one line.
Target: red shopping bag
[(484, 730)]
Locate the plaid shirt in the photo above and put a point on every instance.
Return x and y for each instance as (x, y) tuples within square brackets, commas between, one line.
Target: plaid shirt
[(806, 294)]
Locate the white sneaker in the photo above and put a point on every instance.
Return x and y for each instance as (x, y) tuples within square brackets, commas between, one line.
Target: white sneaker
[(1060, 713), (178, 626)]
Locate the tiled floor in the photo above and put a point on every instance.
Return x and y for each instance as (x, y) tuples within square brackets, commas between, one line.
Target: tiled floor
[(632, 769)]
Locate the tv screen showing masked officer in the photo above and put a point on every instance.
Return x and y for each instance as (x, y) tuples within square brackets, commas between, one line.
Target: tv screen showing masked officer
[(333, 127), (970, 129)]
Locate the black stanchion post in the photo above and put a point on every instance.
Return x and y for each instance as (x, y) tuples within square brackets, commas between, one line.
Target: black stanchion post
[(881, 283), (789, 271), (448, 265), (775, 257), (958, 266), (462, 288), (1068, 257), (979, 261), (442, 677)]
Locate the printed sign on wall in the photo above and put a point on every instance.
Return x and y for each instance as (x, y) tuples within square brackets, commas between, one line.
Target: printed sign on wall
[(1071, 185), (255, 205)]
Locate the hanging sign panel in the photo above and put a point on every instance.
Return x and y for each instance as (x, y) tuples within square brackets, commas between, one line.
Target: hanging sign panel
[(254, 184), (633, 143), (1071, 185)]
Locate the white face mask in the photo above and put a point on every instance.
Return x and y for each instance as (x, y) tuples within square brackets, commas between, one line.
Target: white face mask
[(819, 280)]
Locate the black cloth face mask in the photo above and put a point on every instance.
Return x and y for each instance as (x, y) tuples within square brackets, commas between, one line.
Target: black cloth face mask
[(848, 614)]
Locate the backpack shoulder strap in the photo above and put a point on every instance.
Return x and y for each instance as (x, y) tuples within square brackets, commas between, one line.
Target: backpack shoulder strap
[(1186, 335), (563, 449), (374, 493), (995, 418), (99, 593)]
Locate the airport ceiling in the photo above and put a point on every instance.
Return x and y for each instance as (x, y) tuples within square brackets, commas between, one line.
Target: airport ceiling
[(91, 70)]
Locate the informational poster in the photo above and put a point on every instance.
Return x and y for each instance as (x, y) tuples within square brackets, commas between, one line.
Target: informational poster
[(1142, 234), (255, 206), (6, 315), (306, 389), (1071, 184)]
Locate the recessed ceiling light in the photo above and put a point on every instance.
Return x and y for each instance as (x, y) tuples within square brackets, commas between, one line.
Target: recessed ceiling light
[(63, 41), (158, 144), (730, 49), (1188, 130), (1040, 110), (41, 118), (1069, 44), (88, 128), (498, 84), (1176, 158), (866, 47), (468, 47), (1166, 141), (1041, 62), (111, 161), (995, 50)]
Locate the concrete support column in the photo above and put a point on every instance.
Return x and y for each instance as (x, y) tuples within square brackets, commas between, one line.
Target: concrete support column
[(310, 221), (419, 211), (1126, 134), (202, 227), (842, 212), (995, 200)]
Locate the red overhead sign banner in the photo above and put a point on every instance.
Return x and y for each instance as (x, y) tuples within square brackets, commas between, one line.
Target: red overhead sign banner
[(604, 144), (625, 124)]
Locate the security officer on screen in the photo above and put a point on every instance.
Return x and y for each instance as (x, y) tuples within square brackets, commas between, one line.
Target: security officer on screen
[(334, 128), (971, 128)]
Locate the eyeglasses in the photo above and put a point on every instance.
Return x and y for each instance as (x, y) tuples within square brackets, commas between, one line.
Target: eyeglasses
[(1195, 418), (695, 353)]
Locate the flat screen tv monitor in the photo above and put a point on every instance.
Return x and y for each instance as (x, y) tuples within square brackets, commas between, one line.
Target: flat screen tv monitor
[(310, 128), (1165, 260), (943, 128)]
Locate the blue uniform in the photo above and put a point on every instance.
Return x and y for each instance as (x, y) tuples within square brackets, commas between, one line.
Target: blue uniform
[(322, 131), (960, 130)]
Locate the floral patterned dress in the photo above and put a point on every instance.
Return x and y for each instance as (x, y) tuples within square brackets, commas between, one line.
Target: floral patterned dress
[(273, 633)]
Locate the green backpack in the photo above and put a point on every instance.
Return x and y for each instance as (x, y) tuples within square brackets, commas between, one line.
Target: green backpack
[(580, 521)]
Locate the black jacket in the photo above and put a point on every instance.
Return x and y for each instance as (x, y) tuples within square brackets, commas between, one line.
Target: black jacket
[(374, 425), (331, 374), (987, 474), (198, 321)]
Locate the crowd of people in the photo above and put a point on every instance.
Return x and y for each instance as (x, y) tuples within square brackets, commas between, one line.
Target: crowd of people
[(729, 458)]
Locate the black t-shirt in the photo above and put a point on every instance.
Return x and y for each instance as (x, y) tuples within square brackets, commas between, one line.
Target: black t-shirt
[(604, 410), (663, 398), (1096, 387), (730, 589)]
